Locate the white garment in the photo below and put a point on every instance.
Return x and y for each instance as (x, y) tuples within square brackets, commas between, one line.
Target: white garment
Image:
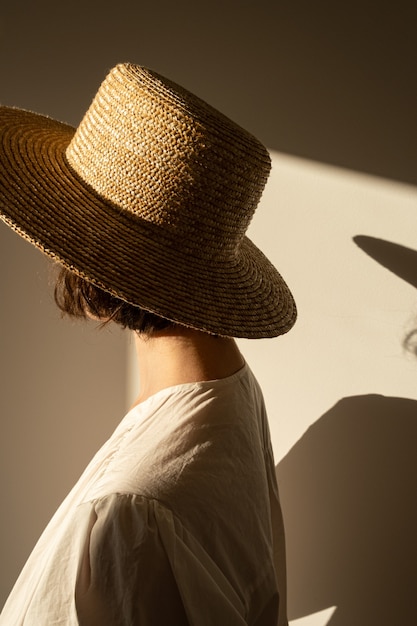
[(169, 524)]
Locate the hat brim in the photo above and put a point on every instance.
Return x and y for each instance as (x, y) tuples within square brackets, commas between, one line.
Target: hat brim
[(46, 201)]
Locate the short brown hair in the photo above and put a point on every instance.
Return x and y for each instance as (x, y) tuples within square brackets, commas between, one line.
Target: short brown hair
[(79, 298)]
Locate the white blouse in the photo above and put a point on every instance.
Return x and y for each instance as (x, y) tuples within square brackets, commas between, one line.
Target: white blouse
[(175, 521)]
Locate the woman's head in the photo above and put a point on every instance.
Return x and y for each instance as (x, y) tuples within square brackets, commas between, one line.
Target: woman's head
[(77, 297), (153, 178)]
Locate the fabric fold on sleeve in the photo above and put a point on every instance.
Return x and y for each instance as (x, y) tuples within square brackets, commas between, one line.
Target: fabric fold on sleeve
[(140, 565), (124, 577)]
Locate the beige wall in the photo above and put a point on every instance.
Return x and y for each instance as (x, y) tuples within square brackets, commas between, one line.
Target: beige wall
[(330, 87), (62, 391), (341, 390)]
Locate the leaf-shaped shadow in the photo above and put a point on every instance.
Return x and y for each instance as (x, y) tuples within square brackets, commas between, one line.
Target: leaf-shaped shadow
[(398, 259)]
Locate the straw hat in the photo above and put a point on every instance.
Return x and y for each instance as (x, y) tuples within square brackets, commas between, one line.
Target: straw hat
[(149, 199)]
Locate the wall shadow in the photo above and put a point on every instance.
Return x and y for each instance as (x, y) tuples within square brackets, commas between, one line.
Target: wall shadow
[(398, 259), (344, 85), (348, 490)]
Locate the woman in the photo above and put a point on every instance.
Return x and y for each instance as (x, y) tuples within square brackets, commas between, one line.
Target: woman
[(145, 206)]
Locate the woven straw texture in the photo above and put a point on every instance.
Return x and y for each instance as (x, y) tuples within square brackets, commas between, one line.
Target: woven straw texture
[(150, 199)]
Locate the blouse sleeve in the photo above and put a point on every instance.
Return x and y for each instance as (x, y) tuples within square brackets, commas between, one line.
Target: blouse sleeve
[(124, 575), (139, 566)]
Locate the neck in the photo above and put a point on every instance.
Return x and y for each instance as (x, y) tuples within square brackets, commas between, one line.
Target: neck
[(181, 355)]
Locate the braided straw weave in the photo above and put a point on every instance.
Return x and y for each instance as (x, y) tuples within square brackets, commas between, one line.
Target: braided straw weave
[(149, 198)]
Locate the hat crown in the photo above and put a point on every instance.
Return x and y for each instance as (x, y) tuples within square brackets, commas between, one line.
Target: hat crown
[(155, 150)]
